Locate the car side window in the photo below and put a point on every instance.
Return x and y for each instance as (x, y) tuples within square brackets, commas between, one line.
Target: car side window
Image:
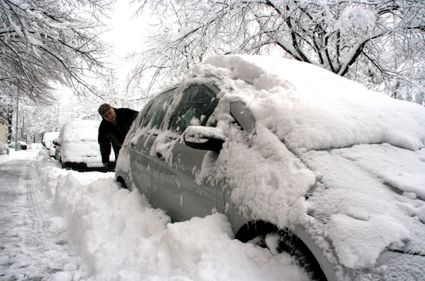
[(196, 106), (156, 112)]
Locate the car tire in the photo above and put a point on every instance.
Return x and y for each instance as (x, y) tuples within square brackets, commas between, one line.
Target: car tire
[(258, 232), (63, 165), (122, 183)]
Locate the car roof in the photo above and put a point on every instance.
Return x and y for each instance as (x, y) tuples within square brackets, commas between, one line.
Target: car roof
[(311, 108)]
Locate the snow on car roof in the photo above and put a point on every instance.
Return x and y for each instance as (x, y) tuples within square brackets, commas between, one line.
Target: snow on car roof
[(80, 130), (312, 108), (50, 136)]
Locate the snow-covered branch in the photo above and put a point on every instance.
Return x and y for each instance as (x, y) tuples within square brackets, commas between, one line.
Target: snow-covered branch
[(49, 41), (332, 34)]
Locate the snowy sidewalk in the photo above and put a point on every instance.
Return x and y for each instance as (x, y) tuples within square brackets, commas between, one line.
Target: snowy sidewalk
[(30, 249)]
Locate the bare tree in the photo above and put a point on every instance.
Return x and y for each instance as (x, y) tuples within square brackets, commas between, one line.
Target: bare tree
[(43, 41), (357, 39)]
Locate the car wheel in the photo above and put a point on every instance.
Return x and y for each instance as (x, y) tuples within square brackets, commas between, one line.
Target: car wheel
[(277, 240), (122, 183), (63, 165)]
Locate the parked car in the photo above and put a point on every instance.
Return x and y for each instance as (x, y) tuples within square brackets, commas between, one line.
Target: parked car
[(21, 145), (57, 145), (299, 159), (47, 142), (77, 147)]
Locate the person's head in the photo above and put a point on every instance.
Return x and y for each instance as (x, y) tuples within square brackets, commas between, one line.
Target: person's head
[(107, 112)]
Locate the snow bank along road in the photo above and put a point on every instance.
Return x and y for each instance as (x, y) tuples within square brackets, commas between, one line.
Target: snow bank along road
[(29, 248), (59, 225)]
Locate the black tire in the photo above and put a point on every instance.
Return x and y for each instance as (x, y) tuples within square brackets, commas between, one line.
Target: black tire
[(122, 183), (288, 243), (64, 165)]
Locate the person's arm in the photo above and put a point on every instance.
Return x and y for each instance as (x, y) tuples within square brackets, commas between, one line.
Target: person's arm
[(104, 143)]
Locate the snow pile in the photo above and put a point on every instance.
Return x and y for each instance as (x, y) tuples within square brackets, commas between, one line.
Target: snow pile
[(120, 237)]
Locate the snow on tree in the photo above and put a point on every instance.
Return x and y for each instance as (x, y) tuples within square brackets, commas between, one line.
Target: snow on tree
[(43, 41), (379, 43)]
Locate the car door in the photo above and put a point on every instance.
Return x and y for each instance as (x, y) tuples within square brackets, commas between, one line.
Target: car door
[(187, 193), (144, 164)]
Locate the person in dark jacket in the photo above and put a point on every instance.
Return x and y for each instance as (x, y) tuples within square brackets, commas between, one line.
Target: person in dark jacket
[(112, 130)]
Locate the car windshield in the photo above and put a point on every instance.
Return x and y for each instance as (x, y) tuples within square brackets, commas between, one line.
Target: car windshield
[(196, 106)]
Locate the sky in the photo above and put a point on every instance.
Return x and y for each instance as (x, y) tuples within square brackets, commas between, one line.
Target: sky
[(128, 30), (125, 35)]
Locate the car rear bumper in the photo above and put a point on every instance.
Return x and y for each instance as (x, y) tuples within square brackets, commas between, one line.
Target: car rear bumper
[(82, 167)]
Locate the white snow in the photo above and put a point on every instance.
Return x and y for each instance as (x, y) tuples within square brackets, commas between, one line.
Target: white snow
[(360, 153), (113, 234), (311, 108), (48, 138), (367, 238), (78, 139), (118, 236), (47, 141), (357, 20)]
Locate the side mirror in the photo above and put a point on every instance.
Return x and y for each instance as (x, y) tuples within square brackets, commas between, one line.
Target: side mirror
[(243, 116), (204, 138)]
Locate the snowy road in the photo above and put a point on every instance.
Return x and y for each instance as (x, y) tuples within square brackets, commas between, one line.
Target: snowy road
[(59, 225), (29, 248)]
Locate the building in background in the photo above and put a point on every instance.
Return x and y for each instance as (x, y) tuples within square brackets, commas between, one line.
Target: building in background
[(3, 130)]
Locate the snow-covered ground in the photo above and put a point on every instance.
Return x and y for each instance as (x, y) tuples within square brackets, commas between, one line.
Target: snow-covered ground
[(61, 225)]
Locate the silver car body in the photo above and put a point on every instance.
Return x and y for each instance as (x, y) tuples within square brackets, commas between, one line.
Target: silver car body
[(182, 171)]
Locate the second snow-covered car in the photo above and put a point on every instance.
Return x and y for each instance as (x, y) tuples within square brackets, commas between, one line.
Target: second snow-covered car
[(47, 142), (77, 147), (299, 159)]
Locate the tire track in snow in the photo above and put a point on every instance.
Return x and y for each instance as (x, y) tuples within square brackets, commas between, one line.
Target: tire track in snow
[(32, 247)]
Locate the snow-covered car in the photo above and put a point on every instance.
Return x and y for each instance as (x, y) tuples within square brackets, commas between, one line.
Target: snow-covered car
[(22, 145), (299, 159), (47, 142), (77, 147)]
